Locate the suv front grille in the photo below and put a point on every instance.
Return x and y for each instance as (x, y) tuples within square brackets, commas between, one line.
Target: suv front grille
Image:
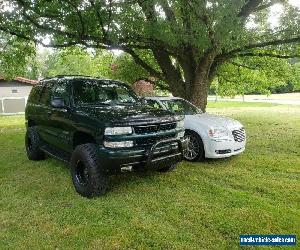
[(152, 140), (148, 129), (239, 135)]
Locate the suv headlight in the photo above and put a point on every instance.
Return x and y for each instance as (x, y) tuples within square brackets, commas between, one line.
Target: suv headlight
[(118, 131), (218, 133), (180, 124)]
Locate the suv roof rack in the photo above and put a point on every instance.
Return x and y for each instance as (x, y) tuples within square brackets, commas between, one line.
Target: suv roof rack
[(63, 76)]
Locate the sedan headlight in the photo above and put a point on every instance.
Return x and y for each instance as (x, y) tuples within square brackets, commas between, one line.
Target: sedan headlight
[(118, 144), (118, 131), (180, 124), (218, 133)]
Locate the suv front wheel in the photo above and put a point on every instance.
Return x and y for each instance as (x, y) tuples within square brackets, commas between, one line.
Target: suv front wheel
[(87, 177)]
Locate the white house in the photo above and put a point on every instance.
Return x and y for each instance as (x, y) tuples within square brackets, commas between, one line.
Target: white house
[(14, 94)]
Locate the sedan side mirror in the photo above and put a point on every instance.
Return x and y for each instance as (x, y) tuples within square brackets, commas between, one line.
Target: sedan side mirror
[(58, 102)]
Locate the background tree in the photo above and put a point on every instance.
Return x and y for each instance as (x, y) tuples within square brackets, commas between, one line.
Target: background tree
[(99, 63), (248, 75), (16, 56), (189, 40)]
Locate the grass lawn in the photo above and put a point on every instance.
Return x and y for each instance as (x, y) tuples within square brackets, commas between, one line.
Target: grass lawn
[(198, 206)]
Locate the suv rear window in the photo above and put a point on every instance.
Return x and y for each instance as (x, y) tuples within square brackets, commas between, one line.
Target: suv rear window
[(60, 90)]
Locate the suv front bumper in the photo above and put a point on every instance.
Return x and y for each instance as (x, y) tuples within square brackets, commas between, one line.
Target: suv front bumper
[(161, 154)]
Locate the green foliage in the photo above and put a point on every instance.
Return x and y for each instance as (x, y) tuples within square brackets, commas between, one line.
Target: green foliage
[(125, 69), (98, 63), (15, 56), (252, 75), (296, 76)]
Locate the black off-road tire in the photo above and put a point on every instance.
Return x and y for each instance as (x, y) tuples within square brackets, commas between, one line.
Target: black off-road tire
[(199, 149), (168, 168), (88, 178), (32, 145)]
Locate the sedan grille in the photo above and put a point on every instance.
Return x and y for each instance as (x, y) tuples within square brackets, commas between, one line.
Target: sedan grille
[(239, 135)]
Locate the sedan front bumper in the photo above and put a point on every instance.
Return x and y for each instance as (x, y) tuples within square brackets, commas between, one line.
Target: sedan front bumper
[(222, 149)]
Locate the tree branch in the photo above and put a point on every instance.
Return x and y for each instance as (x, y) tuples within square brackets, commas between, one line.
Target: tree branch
[(242, 65), (262, 45), (80, 17), (143, 64), (250, 54), (249, 7)]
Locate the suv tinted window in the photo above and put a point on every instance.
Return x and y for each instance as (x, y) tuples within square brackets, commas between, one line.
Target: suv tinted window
[(46, 93), (105, 92), (60, 90)]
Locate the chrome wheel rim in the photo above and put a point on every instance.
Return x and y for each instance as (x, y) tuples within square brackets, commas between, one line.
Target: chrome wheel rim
[(193, 147)]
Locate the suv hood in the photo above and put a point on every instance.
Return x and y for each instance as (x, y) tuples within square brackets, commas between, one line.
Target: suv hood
[(213, 121), (121, 114)]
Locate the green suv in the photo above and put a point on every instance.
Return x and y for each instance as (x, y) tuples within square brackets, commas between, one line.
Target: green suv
[(100, 127)]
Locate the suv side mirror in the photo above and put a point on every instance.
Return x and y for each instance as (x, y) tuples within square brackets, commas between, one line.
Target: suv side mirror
[(58, 102)]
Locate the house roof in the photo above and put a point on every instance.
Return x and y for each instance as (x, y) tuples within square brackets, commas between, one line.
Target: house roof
[(23, 80)]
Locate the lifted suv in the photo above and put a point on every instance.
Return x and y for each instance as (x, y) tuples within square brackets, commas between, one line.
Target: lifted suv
[(100, 127)]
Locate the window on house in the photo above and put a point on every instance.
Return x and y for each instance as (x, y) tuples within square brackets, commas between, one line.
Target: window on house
[(14, 91)]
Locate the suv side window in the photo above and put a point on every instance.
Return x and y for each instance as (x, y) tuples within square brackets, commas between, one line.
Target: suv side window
[(46, 93), (60, 90)]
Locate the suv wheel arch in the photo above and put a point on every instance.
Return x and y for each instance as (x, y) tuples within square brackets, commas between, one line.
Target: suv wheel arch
[(80, 138)]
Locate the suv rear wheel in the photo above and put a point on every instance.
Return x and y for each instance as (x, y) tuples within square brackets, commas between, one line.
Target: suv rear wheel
[(87, 177), (32, 145)]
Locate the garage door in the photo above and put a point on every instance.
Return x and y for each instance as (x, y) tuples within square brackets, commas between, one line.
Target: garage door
[(12, 106)]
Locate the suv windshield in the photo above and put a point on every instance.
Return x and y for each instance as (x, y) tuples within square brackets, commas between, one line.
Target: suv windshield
[(181, 107), (93, 92)]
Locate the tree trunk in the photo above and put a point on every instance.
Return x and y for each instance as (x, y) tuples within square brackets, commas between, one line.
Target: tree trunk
[(192, 79), (200, 93), (203, 77)]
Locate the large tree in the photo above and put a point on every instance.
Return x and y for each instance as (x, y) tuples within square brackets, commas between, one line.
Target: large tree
[(16, 56), (189, 39)]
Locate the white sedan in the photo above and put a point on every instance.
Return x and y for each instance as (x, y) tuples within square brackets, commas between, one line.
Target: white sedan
[(209, 136)]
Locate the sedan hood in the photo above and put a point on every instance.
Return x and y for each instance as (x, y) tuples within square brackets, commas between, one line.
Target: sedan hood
[(123, 114), (213, 121)]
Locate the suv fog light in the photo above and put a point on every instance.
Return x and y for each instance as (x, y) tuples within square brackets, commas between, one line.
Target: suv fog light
[(118, 144)]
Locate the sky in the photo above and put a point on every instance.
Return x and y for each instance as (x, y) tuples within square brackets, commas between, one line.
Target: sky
[(277, 9)]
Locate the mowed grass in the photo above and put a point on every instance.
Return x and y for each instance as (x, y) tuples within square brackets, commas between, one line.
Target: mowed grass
[(198, 206)]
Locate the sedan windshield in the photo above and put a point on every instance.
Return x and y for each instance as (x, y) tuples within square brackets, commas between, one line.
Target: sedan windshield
[(181, 107), (102, 92)]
